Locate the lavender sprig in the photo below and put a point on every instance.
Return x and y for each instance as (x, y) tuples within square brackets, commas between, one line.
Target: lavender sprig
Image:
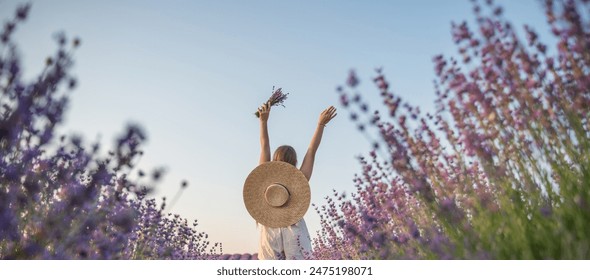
[(277, 98)]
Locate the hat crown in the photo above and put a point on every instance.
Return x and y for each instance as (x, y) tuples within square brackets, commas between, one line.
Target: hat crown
[(276, 195)]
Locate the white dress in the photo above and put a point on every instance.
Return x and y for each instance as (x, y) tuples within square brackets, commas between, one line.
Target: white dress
[(291, 243)]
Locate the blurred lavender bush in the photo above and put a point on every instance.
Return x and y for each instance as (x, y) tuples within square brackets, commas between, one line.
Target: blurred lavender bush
[(500, 171), (62, 200)]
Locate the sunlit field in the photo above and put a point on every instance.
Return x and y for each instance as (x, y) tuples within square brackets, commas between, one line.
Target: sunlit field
[(499, 170)]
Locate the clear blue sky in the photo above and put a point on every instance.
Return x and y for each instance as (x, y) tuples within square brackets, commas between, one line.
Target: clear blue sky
[(192, 73)]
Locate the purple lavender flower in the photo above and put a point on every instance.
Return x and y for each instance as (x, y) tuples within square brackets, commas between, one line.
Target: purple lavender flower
[(63, 200), (495, 171), (277, 98)]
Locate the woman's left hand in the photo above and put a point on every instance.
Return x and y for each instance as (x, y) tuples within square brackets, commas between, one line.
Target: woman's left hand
[(327, 115)]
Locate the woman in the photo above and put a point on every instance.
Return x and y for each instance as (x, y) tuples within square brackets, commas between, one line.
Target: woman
[(292, 242)]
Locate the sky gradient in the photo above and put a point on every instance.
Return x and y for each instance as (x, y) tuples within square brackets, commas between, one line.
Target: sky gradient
[(192, 73)]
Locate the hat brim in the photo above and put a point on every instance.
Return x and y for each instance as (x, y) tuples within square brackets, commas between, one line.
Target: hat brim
[(287, 175)]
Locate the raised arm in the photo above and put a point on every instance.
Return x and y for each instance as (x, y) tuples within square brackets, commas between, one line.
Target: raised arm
[(264, 112), (308, 160)]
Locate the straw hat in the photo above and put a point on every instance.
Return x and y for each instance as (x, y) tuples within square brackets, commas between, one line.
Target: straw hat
[(276, 194)]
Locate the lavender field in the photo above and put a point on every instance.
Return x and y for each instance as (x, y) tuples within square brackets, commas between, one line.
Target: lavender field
[(500, 170)]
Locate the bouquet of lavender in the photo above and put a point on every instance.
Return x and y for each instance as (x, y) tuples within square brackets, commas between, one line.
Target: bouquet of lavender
[(277, 98)]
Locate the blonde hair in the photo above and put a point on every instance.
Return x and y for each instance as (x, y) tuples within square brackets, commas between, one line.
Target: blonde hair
[(287, 154)]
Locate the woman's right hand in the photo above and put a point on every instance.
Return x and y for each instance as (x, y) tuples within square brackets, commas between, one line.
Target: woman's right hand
[(264, 112)]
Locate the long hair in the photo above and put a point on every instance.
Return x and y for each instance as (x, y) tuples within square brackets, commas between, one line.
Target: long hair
[(287, 154)]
